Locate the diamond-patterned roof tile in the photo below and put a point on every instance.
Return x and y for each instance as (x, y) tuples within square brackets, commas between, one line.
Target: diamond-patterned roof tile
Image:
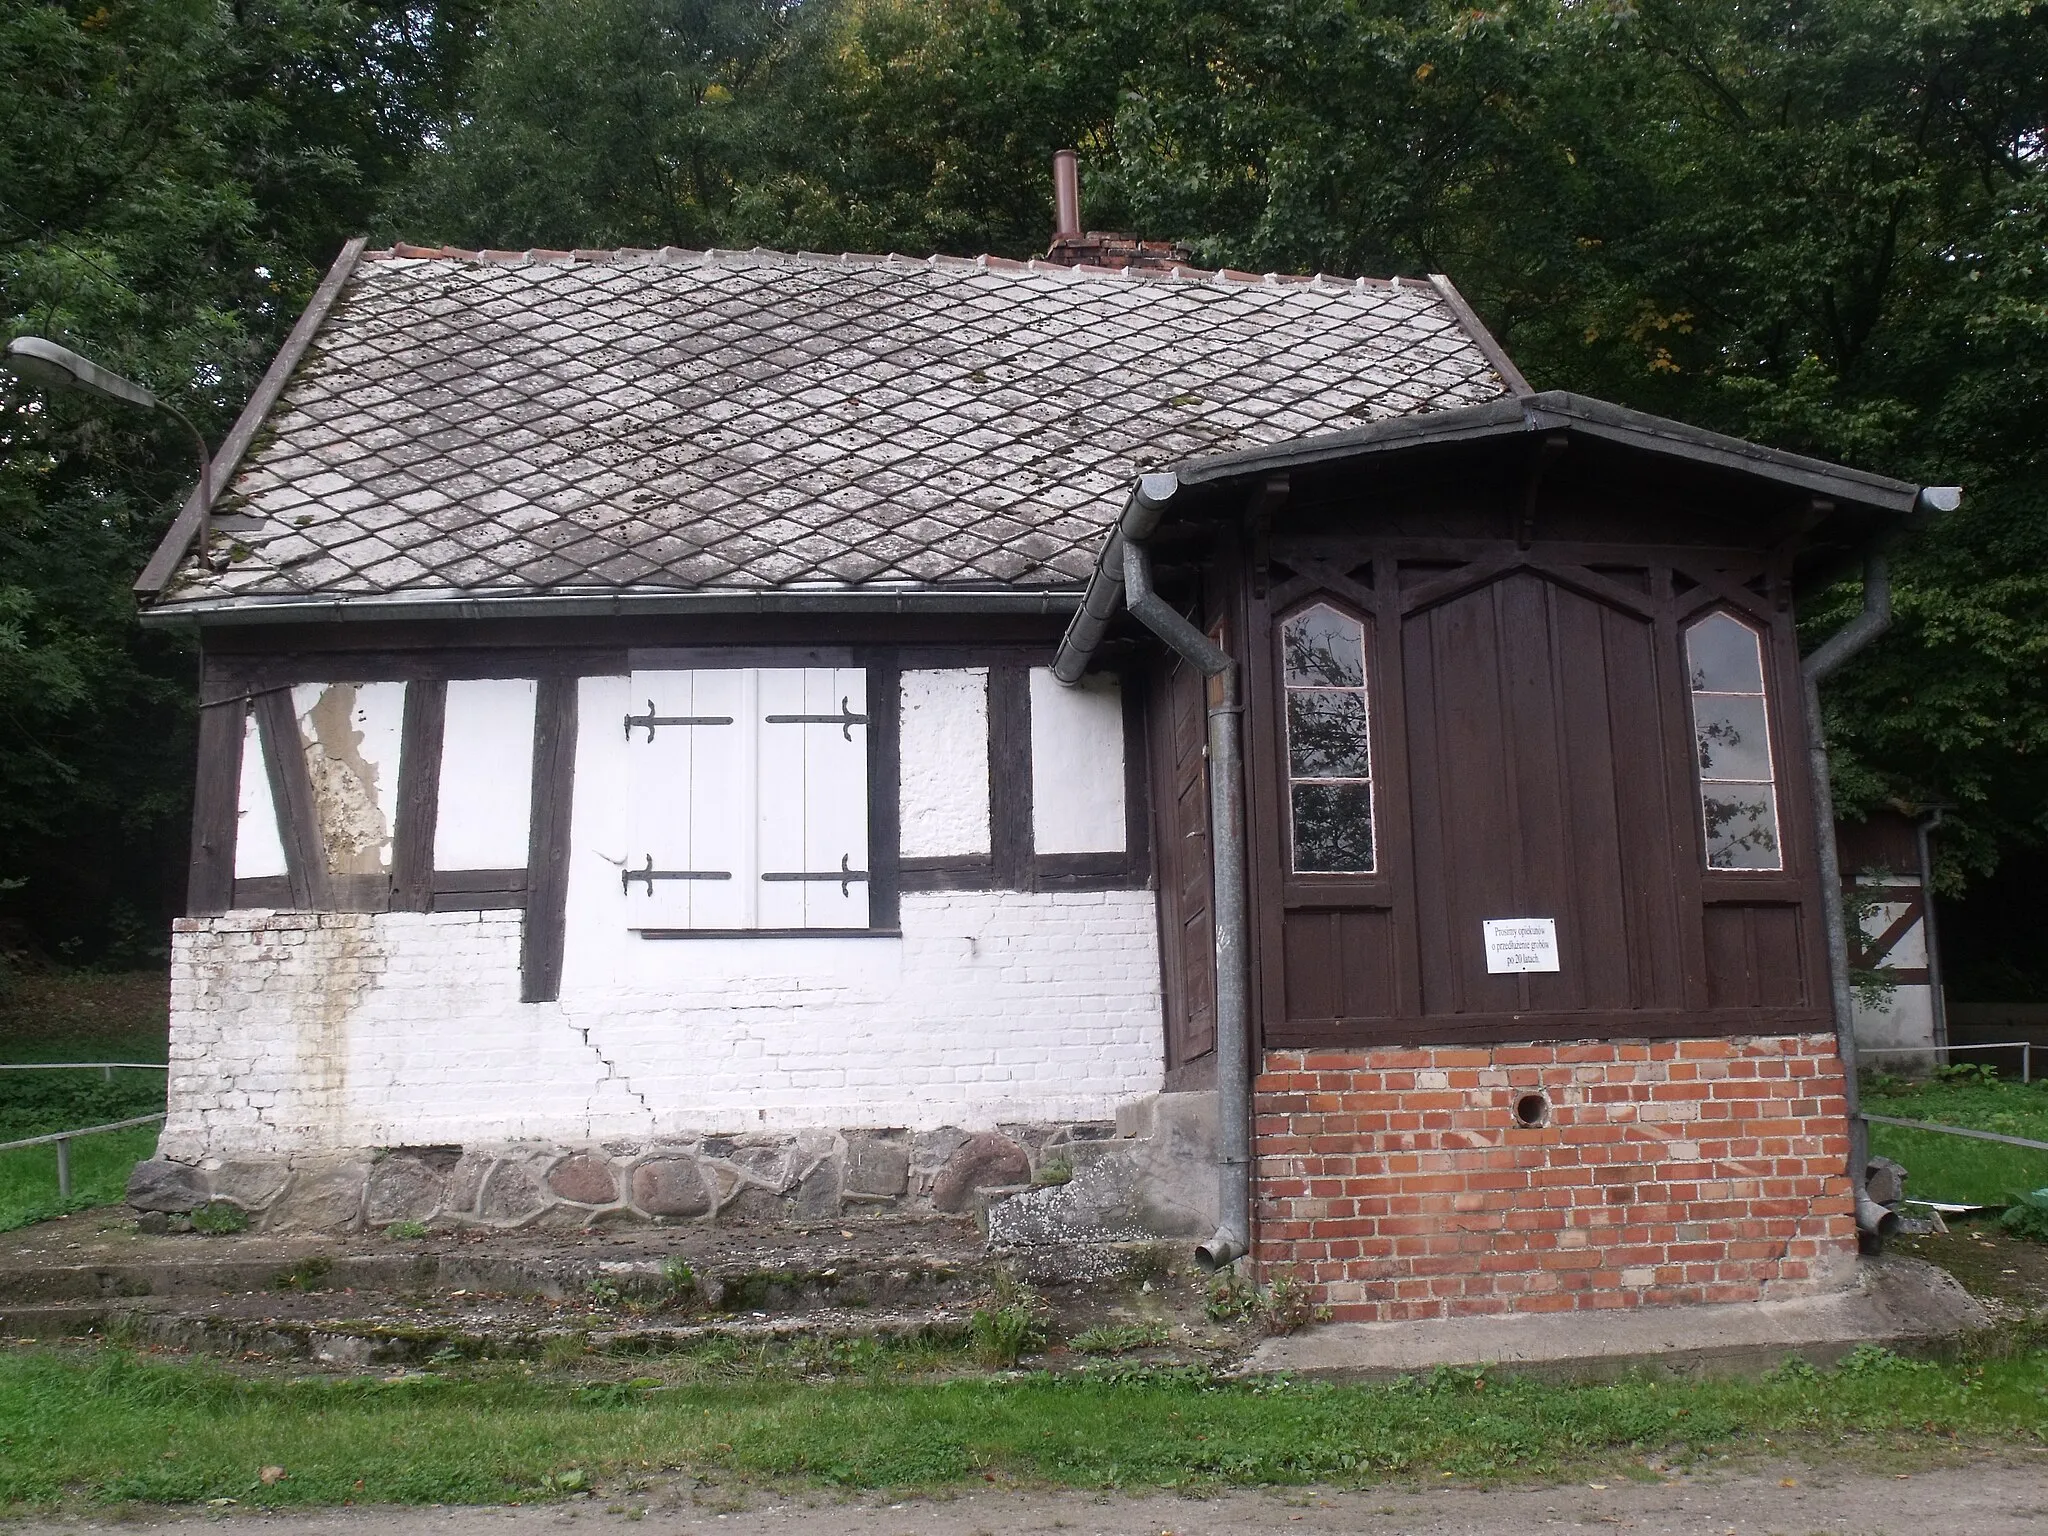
[(654, 420)]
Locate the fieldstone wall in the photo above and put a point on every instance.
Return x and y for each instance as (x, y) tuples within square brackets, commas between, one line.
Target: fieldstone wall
[(753, 1179)]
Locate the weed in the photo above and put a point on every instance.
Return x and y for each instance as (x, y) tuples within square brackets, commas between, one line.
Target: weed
[(218, 1216), (569, 1480), (1876, 1360), (1284, 1306), (603, 1293), (2027, 1216), (1053, 1171), (678, 1282), (1119, 1338), (1003, 1335), (406, 1229), (1230, 1298)]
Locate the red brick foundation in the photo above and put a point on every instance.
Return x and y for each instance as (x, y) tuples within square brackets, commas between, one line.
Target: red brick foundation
[(1401, 1184)]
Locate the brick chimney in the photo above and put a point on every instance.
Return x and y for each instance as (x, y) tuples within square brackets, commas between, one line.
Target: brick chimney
[(1071, 247)]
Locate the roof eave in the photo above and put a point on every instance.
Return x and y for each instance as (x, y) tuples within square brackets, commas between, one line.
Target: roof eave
[(1557, 410), (587, 603)]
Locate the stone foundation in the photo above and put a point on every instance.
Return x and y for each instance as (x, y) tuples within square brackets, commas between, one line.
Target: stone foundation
[(819, 1175), (1442, 1182)]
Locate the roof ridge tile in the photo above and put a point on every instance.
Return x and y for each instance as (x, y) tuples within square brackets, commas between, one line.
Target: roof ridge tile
[(938, 261)]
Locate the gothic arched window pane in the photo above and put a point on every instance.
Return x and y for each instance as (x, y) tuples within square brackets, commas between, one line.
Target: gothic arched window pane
[(1329, 743), (1732, 734)]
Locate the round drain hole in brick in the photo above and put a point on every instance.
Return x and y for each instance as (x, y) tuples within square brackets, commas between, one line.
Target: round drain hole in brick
[(1532, 1109)]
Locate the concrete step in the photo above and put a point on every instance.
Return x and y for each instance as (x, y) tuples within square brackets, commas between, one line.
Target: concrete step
[(786, 1283), (349, 1340)]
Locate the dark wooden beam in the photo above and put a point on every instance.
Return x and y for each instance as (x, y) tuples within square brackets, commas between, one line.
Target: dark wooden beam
[(1137, 779), (216, 807), (547, 859), (419, 796), (885, 772), (949, 872), (291, 792), (1009, 775)]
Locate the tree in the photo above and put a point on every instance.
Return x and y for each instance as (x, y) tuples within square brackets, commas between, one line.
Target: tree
[(173, 178)]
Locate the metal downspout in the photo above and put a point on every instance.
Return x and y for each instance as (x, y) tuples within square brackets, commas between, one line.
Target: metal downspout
[(1875, 618), (1226, 855), (1125, 573)]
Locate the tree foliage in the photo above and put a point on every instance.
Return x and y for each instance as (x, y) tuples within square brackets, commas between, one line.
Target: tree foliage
[(1818, 223), (173, 176)]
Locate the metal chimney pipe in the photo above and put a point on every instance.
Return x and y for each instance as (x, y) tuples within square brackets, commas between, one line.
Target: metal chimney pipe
[(1066, 195)]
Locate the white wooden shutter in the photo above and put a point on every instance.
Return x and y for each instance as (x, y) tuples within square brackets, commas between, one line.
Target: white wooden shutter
[(759, 776), (835, 799), (689, 795)]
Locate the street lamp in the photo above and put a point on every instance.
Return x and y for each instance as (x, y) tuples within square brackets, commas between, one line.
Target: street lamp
[(36, 361)]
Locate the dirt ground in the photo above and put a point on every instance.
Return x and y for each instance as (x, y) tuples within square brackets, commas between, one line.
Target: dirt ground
[(2004, 1497)]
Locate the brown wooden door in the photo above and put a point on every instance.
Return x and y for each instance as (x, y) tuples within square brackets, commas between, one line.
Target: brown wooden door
[(1188, 945), (1538, 739)]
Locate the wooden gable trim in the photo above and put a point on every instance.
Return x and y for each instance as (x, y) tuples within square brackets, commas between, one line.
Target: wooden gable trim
[(163, 564), (1481, 337)]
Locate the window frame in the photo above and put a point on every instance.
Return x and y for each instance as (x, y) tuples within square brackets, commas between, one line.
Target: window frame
[(1285, 777), (1767, 696)]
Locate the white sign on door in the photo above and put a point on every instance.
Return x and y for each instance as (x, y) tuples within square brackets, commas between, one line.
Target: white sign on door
[(1520, 944)]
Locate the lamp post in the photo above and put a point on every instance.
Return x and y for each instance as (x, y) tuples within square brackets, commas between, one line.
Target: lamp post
[(36, 361)]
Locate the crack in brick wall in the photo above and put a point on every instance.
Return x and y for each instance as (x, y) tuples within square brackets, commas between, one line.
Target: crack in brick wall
[(306, 1031)]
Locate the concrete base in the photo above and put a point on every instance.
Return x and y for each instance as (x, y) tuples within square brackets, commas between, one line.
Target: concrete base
[(1894, 1301), (1155, 1178)]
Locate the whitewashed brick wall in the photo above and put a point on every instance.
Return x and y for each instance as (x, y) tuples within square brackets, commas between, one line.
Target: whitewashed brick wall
[(294, 1031)]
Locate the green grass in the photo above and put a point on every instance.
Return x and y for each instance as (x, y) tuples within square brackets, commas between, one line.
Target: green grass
[(1955, 1168), (79, 1017), (107, 1427), (99, 1173)]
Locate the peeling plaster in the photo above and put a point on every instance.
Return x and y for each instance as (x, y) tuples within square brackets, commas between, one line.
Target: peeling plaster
[(350, 734)]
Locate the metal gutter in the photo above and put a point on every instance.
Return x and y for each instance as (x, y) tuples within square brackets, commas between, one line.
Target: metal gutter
[(163, 565), (1105, 591), (213, 612)]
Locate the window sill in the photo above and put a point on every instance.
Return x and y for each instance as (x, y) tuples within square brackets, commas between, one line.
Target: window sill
[(766, 933)]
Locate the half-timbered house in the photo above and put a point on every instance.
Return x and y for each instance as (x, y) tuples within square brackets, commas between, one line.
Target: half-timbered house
[(700, 737)]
